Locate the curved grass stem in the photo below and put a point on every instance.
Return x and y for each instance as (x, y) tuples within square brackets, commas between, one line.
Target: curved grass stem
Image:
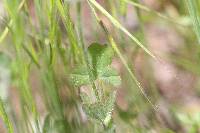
[(117, 51), (122, 28)]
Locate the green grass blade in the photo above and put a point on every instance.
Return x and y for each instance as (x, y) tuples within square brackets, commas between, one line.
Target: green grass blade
[(5, 118), (195, 15), (117, 51), (122, 28), (4, 33), (31, 53), (145, 8), (6, 30), (77, 52)]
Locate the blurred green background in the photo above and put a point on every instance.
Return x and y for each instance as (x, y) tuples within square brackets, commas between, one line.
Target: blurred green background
[(42, 41)]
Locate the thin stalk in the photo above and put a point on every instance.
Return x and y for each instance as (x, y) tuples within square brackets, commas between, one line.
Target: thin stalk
[(114, 46), (145, 8), (117, 51), (5, 117), (6, 30), (84, 50), (122, 28), (76, 51), (195, 16), (22, 67)]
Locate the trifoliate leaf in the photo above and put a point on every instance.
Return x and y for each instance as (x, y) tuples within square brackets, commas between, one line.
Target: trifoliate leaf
[(109, 75), (80, 76), (100, 57)]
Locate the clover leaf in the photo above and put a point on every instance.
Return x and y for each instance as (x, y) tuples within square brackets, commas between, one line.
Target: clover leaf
[(100, 58)]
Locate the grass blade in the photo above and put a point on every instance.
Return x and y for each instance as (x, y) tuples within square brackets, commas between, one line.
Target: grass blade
[(117, 51), (77, 52), (6, 30), (195, 16), (119, 26), (5, 118), (145, 8)]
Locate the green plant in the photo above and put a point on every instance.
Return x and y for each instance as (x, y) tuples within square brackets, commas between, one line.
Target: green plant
[(193, 7), (5, 118), (99, 73), (55, 83)]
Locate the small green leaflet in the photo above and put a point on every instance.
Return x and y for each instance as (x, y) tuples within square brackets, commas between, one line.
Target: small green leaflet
[(100, 58), (80, 76), (102, 110), (110, 75)]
